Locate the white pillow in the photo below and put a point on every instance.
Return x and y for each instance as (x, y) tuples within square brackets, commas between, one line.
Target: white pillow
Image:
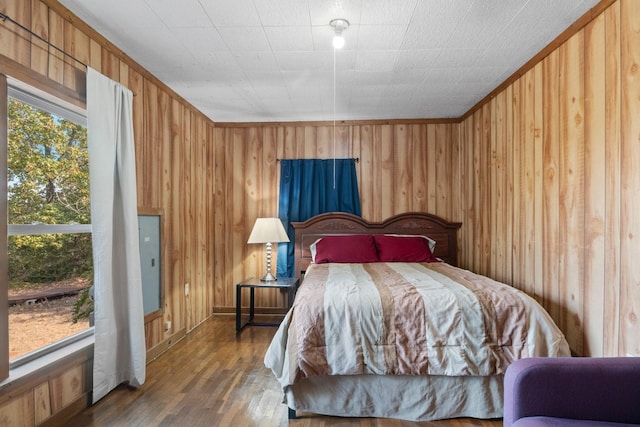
[(312, 248)]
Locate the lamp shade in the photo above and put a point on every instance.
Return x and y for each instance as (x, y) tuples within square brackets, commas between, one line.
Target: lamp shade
[(268, 230)]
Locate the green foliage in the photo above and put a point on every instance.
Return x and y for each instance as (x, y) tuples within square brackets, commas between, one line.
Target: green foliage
[(83, 307), (48, 182)]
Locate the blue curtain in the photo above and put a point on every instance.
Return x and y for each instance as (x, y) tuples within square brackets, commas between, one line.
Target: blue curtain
[(307, 189)]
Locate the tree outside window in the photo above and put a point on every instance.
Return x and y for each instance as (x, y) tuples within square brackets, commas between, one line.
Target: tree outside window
[(47, 190)]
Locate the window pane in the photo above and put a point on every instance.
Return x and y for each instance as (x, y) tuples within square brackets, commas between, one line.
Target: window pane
[(48, 277), (48, 183), (48, 168)]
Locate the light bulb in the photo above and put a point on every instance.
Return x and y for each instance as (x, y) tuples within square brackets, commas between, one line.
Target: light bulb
[(339, 25)]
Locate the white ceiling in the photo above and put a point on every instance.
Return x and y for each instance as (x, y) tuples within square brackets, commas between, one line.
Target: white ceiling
[(272, 60)]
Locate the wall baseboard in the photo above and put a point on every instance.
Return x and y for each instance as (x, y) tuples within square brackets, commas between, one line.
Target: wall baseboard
[(165, 345)]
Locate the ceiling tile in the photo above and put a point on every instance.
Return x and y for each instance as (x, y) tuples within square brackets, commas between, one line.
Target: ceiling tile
[(185, 74), (271, 93), (380, 37), (413, 76), (289, 39), (498, 57), (381, 12), (344, 60), (159, 47), (236, 13), (366, 92), (434, 22), (455, 58), (293, 61), (376, 60), (442, 75), (372, 78), (180, 15), (283, 12), (219, 62), (138, 14), (244, 38), (264, 61), (409, 59), (481, 74), (200, 41), (403, 91), (483, 22), (261, 77)]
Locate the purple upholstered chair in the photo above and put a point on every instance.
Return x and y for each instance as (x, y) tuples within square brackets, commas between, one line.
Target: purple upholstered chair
[(572, 391)]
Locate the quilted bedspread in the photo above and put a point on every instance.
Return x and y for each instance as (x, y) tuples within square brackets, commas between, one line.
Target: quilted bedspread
[(408, 319)]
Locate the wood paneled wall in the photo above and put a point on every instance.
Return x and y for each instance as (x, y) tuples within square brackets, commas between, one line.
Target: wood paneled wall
[(551, 184), (402, 167)]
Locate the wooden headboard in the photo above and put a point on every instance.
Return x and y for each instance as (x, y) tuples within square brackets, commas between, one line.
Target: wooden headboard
[(334, 223)]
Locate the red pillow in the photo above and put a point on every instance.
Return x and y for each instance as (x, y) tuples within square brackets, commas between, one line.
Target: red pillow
[(403, 249), (349, 248)]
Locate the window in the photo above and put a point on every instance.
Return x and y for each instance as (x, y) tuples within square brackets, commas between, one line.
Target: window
[(49, 266)]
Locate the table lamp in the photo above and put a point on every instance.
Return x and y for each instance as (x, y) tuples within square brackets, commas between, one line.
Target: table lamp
[(268, 230)]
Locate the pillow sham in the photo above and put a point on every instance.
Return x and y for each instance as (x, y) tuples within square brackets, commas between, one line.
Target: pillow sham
[(432, 243), (403, 249), (345, 248)]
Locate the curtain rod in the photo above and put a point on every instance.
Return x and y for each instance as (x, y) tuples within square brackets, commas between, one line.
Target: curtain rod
[(357, 159), (5, 18)]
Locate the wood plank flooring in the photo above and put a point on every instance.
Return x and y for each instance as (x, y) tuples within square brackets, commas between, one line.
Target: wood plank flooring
[(214, 377)]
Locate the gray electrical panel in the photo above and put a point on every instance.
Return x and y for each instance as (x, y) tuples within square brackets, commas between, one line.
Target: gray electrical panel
[(149, 235)]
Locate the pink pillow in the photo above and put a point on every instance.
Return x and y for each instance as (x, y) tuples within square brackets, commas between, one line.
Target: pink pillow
[(349, 248), (403, 249)]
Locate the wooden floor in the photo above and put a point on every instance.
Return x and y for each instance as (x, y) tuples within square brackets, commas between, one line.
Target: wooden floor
[(214, 377)]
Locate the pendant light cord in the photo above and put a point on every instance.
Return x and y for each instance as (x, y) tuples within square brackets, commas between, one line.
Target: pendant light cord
[(334, 118)]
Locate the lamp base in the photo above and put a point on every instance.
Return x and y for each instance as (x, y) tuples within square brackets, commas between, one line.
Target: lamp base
[(268, 278)]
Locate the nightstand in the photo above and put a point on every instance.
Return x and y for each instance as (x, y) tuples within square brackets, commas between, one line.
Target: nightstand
[(290, 284)]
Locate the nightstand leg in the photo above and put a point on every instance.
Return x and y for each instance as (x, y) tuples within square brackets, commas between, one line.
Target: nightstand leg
[(251, 303), (238, 309)]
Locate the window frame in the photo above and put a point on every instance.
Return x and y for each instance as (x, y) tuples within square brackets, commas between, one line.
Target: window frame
[(16, 89), (4, 236)]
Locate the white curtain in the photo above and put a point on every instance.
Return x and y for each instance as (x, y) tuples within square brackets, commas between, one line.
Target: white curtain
[(119, 352)]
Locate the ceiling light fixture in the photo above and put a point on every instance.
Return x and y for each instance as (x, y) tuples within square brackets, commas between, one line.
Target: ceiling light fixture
[(339, 25)]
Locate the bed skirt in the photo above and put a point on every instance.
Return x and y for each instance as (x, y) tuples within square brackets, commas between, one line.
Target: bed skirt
[(411, 398)]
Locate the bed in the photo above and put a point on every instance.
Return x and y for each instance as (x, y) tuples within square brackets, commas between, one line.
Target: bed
[(397, 330)]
